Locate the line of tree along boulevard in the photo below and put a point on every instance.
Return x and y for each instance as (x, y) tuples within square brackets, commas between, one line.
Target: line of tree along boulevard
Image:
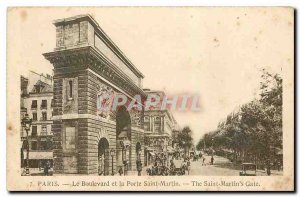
[(253, 133)]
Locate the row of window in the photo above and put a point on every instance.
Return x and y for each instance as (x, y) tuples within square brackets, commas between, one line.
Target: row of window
[(34, 104), (156, 142), (44, 116), (34, 131), (157, 127), (157, 118), (42, 145)]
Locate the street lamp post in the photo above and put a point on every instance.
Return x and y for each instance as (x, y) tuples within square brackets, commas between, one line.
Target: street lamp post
[(112, 154), (125, 144), (122, 145), (212, 144), (26, 124), (139, 162)]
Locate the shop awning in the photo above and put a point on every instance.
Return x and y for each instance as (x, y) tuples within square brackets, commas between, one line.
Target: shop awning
[(39, 155), (170, 149)]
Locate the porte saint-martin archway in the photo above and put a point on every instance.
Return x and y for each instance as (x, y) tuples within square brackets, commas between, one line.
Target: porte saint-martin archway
[(86, 64), (123, 139), (103, 157)]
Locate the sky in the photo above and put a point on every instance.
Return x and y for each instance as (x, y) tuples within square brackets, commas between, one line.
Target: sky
[(216, 53)]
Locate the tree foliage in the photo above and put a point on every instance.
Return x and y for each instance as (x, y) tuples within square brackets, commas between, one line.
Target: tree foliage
[(254, 131), (183, 138)]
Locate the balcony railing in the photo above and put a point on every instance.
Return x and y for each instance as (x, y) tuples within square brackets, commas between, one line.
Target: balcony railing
[(43, 119), (43, 106), (34, 134), (33, 106), (42, 150), (43, 133)]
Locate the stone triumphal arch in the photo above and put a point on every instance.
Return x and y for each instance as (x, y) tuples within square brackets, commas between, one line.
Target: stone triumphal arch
[(87, 64)]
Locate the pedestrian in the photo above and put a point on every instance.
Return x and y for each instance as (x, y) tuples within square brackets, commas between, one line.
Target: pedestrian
[(46, 168), (100, 166), (203, 161), (152, 171), (188, 169), (268, 168), (40, 165), (139, 167), (126, 165), (148, 171), (183, 168), (212, 160), (120, 171), (188, 163)]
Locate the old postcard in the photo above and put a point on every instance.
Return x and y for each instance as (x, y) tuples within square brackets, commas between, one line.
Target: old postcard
[(150, 99)]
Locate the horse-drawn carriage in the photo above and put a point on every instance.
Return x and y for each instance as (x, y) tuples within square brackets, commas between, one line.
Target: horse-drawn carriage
[(158, 171), (177, 167)]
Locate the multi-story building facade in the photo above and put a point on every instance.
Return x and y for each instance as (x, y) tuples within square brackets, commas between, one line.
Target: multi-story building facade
[(158, 126), (36, 101)]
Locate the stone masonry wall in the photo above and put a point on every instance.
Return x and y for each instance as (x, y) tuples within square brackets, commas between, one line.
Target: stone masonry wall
[(72, 34)]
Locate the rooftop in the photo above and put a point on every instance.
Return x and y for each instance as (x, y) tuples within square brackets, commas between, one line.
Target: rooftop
[(100, 31), (41, 87)]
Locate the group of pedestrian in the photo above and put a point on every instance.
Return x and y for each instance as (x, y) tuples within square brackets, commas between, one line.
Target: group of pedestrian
[(212, 159), (158, 171), (46, 166), (121, 171), (139, 168)]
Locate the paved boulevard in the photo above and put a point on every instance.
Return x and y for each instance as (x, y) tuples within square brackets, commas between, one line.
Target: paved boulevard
[(221, 167)]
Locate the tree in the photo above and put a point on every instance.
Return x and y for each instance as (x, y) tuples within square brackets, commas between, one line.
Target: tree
[(185, 138), (253, 132)]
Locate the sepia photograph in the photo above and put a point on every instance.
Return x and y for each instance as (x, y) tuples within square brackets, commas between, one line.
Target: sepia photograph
[(150, 98)]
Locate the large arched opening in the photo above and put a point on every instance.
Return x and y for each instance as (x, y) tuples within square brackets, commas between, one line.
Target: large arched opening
[(138, 150), (123, 139), (103, 157)]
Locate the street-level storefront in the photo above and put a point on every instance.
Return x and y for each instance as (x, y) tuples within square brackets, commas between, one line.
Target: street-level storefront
[(37, 159)]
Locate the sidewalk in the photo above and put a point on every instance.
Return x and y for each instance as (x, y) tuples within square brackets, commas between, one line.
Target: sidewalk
[(135, 173), (37, 172), (273, 173)]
